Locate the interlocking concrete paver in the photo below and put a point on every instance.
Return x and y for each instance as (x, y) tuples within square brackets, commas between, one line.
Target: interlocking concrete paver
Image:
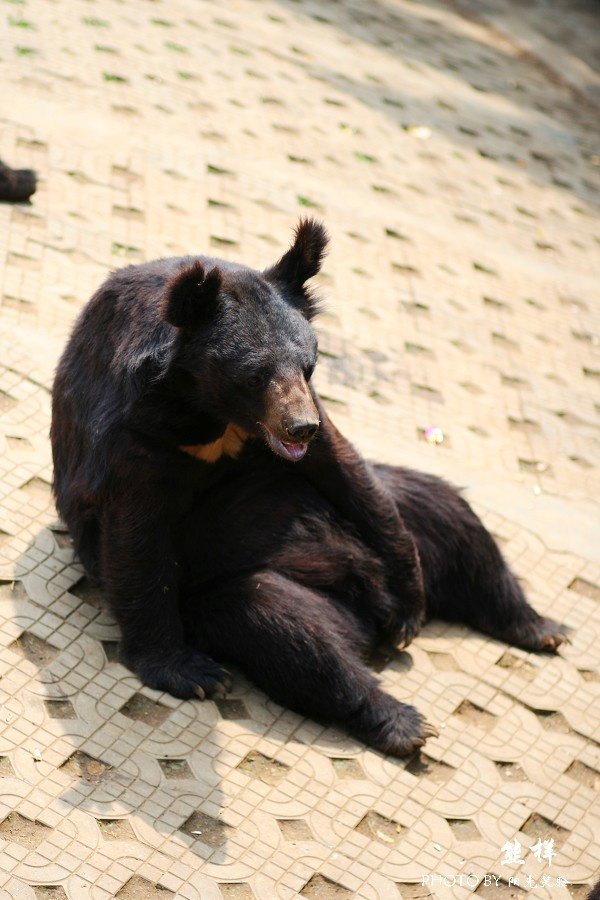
[(453, 153)]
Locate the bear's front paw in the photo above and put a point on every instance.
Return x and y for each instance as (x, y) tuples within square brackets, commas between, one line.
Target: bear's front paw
[(390, 726), (180, 671), (409, 628)]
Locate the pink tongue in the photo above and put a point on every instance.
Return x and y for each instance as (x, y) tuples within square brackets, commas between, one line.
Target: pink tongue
[(295, 450)]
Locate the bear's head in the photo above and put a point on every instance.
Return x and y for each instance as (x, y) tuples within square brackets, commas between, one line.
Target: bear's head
[(246, 342)]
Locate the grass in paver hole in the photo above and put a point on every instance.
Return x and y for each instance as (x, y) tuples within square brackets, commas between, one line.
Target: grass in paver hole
[(347, 768), (175, 768), (17, 22), (217, 241), (118, 79), (224, 23), (382, 189), (95, 23), (391, 232), (231, 708), (404, 267), (25, 51), (128, 212), (124, 248), (306, 201), (116, 829), (217, 170), (480, 267)]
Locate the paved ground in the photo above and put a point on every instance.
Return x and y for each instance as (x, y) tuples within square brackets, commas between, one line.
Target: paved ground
[(457, 172)]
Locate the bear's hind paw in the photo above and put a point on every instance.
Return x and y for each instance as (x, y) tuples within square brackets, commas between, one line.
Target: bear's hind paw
[(541, 634)]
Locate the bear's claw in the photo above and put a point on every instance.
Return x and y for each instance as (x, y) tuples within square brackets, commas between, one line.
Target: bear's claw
[(430, 731), (389, 726), (180, 671), (409, 629), (541, 634)]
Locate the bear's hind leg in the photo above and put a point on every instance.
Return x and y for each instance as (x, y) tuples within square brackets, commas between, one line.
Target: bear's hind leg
[(303, 651), (466, 577), (499, 606)]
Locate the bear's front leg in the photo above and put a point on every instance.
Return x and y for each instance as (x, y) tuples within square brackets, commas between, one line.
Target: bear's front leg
[(140, 574), (352, 487), (300, 648)]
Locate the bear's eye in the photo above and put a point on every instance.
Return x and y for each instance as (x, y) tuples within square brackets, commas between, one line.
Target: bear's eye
[(255, 381)]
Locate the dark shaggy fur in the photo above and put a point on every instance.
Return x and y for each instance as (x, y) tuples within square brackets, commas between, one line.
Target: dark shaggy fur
[(16, 185), (210, 495)]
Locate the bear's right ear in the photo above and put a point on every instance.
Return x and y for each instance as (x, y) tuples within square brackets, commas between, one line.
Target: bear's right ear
[(191, 296)]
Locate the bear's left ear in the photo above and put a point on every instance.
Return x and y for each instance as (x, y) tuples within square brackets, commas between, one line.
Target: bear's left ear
[(191, 296), (304, 258)]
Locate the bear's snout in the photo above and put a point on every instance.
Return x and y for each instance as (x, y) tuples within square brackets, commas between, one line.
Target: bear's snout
[(292, 419), (301, 430)]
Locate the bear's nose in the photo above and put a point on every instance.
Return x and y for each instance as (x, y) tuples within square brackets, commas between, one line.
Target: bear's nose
[(302, 430)]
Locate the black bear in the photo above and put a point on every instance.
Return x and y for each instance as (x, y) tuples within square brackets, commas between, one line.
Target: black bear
[(226, 518), (16, 185)]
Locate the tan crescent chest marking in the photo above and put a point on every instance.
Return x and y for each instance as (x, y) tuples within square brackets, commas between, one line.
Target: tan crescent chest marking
[(229, 444)]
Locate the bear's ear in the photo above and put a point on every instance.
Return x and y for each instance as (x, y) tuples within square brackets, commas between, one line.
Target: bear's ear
[(304, 258), (191, 296)]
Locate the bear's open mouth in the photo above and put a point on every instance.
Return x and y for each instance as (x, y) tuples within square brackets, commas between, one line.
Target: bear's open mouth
[(293, 452)]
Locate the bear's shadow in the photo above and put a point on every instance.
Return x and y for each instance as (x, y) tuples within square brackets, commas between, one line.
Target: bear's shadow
[(124, 748)]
